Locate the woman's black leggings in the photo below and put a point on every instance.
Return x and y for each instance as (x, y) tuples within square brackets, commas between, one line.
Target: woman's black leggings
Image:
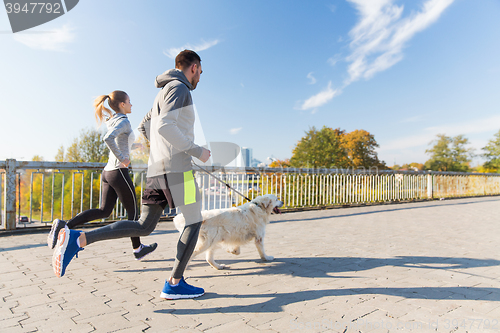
[(115, 184)]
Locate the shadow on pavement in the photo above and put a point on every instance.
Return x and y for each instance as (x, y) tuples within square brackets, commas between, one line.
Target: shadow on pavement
[(22, 247), (276, 301), (325, 267), (162, 232), (322, 267)]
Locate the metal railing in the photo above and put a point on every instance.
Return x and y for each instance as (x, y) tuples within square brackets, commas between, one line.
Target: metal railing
[(38, 192)]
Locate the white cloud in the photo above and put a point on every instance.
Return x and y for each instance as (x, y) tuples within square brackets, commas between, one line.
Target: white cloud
[(381, 33), (408, 142), (378, 39), (312, 78), (333, 60), (174, 51), (468, 127), (53, 40), (235, 130), (321, 98)]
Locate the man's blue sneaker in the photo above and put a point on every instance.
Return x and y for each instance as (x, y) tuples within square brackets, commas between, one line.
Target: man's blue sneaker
[(181, 290), (57, 225), (65, 250)]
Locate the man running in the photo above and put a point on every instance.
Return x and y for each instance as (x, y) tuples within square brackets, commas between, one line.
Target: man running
[(169, 126)]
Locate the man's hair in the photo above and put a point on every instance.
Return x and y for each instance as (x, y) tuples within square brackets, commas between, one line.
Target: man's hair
[(186, 58)]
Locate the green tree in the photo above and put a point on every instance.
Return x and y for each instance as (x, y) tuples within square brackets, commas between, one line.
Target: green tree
[(492, 154), (60, 155), (73, 153), (88, 147), (320, 149), (37, 158), (449, 154), (140, 153)]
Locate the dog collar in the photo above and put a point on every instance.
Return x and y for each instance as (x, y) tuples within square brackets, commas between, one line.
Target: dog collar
[(256, 204)]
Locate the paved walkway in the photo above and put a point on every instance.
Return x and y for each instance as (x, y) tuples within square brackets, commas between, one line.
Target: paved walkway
[(407, 267)]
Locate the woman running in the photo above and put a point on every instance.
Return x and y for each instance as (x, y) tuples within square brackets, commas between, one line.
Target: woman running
[(116, 182)]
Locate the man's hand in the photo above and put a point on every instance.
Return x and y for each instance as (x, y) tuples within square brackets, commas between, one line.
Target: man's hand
[(205, 155)]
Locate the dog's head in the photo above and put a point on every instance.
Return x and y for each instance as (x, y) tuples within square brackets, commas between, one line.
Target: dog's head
[(269, 203)]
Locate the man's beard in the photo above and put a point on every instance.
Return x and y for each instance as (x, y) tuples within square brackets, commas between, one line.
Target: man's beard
[(193, 83)]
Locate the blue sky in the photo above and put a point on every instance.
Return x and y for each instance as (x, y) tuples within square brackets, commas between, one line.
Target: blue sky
[(402, 70)]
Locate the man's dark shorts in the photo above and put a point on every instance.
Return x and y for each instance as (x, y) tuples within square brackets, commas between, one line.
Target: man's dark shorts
[(171, 189)]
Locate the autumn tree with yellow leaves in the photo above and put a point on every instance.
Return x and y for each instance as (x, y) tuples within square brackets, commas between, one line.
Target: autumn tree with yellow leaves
[(334, 148)]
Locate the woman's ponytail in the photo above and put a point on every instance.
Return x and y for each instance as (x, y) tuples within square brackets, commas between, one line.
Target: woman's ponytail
[(101, 112)]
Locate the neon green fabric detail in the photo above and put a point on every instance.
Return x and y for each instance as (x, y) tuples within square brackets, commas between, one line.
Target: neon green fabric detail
[(189, 188)]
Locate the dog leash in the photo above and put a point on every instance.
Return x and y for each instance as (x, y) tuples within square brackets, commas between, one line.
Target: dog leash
[(275, 210), (220, 180)]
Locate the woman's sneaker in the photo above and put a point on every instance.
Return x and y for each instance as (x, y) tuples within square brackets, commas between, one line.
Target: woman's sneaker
[(144, 250), (180, 290), (57, 225), (66, 248)]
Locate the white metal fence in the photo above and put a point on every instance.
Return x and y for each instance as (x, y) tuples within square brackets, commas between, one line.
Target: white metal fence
[(41, 191)]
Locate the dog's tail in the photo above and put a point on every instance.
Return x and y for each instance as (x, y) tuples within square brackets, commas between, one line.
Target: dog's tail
[(179, 222)]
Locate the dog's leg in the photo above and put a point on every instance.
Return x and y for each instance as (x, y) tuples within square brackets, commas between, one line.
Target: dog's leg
[(211, 261), (259, 243)]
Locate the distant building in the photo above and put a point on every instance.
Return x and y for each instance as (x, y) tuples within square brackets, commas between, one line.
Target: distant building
[(256, 163), (247, 155)]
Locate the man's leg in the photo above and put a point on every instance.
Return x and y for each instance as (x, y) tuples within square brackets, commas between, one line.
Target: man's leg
[(175, 287), (150, 215), (185, 247), (188, 239)]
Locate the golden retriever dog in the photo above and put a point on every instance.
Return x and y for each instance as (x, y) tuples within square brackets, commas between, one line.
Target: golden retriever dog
[(232, 227)]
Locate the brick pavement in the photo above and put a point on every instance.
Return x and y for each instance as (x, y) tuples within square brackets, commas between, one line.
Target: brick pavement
[(422, 267)]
